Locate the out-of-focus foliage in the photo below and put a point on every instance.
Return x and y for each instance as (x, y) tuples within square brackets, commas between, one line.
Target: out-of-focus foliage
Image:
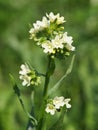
[(16, 17)]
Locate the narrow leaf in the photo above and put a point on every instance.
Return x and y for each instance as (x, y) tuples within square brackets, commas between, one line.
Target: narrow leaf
[(57, 85), (17, 92)]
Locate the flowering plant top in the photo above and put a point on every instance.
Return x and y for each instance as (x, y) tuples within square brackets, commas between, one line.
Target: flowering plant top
[(49, 35)]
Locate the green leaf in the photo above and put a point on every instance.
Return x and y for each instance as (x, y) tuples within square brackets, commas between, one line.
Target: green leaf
[(17, 92), (57, 85)]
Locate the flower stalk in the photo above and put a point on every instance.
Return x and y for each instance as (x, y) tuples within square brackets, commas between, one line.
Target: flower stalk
[(47, 78), (45, 91)]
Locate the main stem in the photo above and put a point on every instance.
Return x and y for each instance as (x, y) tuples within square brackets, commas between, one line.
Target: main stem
[(47, 78)]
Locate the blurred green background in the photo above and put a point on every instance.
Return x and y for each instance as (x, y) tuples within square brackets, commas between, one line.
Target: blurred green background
[(16, 48)]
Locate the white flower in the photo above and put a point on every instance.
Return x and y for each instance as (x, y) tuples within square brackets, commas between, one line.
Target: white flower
[(28, 76), (57, 17), (26, 80), (40, 25), (45, 22), (51, 46), (48, 47), (24, 74), (32, 31), (24, 69), (57, 42), (60, 20), (50, 109), (51, 17), (70, 47), (37, 26), (67, 102), (58, 102), (68, 41)]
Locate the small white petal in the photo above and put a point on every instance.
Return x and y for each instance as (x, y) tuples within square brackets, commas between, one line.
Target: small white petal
[(50, 109), (24, 83), (58, 102), (24, 75), (67, 103), (48, 47), (52, 18)]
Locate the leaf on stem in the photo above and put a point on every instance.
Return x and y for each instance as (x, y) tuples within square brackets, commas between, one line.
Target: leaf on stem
[(17, 92), (57, 85)]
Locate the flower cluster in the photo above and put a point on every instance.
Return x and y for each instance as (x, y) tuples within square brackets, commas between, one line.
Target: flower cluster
[(28, 76), (49, 35), (56, 104)]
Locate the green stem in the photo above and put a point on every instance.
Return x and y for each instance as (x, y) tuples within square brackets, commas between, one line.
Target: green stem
[(47, 78), (30, 124)]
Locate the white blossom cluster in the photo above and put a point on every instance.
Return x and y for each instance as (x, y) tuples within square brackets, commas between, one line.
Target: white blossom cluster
[(56, 104), (28, 76), (49, 35)]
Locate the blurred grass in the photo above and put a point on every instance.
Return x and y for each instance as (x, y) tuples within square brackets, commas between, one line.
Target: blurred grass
[(16, 48)]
